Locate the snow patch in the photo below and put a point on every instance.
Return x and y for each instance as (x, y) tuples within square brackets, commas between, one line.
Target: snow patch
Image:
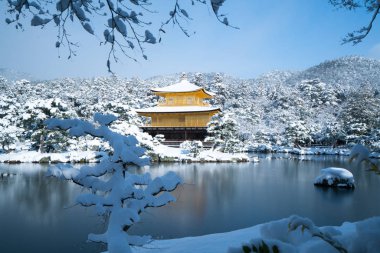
[(360, 236), (65, 157)]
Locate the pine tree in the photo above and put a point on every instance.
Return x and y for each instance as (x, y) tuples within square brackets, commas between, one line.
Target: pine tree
[(222, 131)]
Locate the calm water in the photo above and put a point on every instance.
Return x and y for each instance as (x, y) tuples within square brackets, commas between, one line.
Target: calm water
[(36, 213)]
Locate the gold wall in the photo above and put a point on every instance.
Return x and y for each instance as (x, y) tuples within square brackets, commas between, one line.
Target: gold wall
[(181, 119), (183, 99), (196, 119)]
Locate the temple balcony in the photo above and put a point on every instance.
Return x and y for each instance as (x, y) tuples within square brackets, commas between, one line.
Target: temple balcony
[(168, 103)]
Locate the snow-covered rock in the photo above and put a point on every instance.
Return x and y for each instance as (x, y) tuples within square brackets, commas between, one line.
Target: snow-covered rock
[(335, 177)]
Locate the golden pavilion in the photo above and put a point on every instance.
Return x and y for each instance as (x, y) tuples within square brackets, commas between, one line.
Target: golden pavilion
[(182, 113)]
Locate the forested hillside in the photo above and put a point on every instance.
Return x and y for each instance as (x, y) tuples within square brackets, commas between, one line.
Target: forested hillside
[(334, 103)]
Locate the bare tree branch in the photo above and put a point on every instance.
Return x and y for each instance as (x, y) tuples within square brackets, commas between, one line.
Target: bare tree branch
[(358, 36), (125, 26), (372, 6)]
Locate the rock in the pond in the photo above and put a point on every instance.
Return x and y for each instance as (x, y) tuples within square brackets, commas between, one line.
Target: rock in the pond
[(335, 177)]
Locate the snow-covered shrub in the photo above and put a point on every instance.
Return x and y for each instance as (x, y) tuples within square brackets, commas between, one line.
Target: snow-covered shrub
[(193, 147), (159, 138), (7, 139), (121, 196)]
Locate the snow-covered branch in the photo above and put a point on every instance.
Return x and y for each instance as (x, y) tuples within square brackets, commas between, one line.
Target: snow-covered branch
[(372, 6), (305, 223), (125, 26), (124, 195)]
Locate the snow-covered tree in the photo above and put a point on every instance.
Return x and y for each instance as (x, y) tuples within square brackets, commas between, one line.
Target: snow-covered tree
[(3, 83), (222, 131), (328, 98), (361, 113), (331, 134), (220, 90), (318, 93), (9, 135), (33, 115), (10, 132), (198, 79), (121, 196), (297, 133)]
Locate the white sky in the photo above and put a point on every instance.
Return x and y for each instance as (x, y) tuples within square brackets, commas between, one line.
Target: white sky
[(273, 35)]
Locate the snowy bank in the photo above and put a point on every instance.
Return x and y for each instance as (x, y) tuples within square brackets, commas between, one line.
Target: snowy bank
[(335, 177), (266, 148), (66, 157), (360, 236), (162, 153)]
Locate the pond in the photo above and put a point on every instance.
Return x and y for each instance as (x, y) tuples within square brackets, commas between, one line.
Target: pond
[(37, 215)]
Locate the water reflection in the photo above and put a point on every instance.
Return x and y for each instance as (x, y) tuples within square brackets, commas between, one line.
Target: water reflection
[(38, 199), (34, 217), (215, 198), (223, 197)]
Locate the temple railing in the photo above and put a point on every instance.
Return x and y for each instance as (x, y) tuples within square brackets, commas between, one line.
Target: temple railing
[(165, 103)]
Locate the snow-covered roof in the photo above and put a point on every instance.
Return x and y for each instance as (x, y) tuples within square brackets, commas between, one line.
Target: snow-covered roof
[(172, 109), (183, 86)]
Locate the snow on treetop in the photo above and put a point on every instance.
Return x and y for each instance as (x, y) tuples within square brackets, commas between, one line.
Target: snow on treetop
[(125, 148), (183, 86)]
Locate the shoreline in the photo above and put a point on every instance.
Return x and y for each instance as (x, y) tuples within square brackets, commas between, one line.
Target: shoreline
[(87, 157), (165, 154)]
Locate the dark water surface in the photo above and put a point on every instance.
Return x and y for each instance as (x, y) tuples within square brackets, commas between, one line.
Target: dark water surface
[(36, 213)]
